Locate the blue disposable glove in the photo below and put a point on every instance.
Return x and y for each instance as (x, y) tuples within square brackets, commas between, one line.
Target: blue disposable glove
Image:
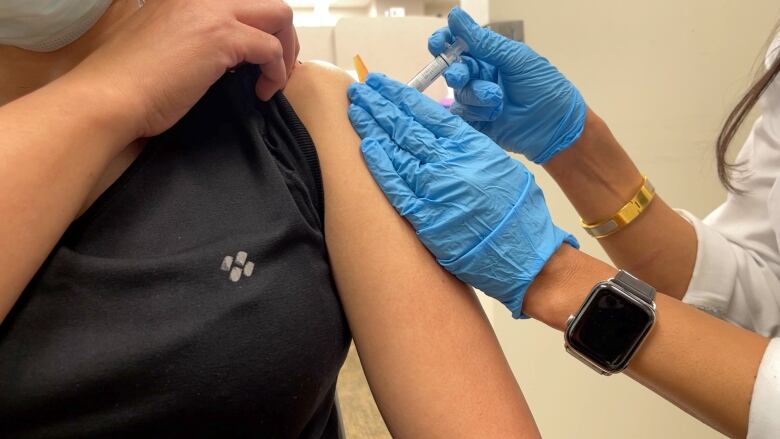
[(476, 209), (509, 92)]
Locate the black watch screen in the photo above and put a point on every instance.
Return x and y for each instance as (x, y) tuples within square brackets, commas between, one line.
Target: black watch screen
[(610, 327)]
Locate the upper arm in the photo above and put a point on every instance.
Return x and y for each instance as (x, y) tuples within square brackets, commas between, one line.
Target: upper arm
[(431, 357)]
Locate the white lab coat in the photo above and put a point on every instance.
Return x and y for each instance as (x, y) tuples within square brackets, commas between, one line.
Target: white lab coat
[(737, 271)]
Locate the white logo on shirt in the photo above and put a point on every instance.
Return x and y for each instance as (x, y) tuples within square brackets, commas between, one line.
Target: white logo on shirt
[(238, 266)]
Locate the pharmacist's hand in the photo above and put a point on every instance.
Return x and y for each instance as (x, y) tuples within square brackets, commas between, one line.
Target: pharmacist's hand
[(477, 210), (509, 92), (161, 60)]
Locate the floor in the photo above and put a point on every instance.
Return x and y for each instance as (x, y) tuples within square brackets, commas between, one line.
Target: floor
[(360, 414)]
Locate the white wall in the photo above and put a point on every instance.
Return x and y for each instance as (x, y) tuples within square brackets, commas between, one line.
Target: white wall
[(663, 74), (328, 12)]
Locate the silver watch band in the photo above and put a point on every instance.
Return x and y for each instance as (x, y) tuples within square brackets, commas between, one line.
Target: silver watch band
[(635, 286)]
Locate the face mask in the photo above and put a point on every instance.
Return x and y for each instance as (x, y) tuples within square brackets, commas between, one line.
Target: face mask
[(47, 25)]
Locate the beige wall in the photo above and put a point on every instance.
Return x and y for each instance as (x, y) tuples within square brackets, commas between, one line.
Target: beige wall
[(664, 75)]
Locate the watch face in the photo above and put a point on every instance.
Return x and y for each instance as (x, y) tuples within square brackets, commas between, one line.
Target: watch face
[(610, 327)]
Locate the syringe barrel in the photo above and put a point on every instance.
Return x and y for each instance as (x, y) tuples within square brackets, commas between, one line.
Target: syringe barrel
[(428, 74), (425, 77)]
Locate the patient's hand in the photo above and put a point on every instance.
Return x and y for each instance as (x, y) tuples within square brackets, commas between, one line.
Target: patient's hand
[(432, 360), (159, 61)]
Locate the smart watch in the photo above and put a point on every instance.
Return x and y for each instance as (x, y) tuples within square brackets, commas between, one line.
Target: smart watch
[(611, 323)]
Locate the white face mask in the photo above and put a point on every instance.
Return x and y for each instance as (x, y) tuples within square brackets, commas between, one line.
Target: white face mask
[(47, 25)]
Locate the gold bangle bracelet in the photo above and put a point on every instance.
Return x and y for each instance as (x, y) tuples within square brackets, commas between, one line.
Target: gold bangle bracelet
[(625, 215)]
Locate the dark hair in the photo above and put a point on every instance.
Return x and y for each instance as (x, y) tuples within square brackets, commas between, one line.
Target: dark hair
[(735, 120)]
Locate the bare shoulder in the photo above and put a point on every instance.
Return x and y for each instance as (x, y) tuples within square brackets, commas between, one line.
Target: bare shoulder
[(321, 71), (317, 92), (421, 334), (321, 88)]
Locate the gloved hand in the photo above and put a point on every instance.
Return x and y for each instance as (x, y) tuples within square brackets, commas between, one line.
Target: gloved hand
[(476, 209), (509, 92)]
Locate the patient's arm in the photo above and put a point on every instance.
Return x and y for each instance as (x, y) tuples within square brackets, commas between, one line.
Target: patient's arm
[(431, 358)]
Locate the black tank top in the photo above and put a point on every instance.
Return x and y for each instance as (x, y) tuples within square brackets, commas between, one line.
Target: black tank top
[(194, 297)]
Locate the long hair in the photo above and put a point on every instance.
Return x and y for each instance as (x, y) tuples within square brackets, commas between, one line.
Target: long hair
[(735, 120)]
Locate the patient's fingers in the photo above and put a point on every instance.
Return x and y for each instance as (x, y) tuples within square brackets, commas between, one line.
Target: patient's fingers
[(395, 187), (402, 128), (274, 17), (266, 51), (289, 39)]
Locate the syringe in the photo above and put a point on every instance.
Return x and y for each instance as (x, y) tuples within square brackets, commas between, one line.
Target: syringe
[(432, 71)]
